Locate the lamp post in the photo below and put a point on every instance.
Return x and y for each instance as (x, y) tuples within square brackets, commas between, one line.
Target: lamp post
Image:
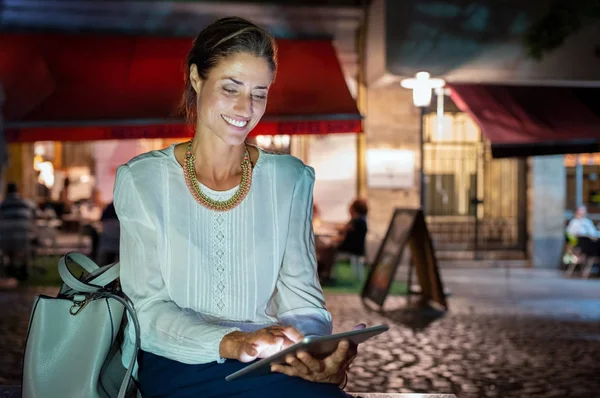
[(422, 85)]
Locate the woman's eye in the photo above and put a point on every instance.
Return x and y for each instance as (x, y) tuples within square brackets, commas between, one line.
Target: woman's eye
[(259, 96), (229, 90)]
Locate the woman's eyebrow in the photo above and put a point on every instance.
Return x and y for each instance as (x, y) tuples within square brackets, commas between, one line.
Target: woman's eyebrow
[(239, 83)]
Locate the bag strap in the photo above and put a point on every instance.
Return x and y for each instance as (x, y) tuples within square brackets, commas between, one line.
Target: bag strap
[(99, 276), (95, 282), (132, 316)]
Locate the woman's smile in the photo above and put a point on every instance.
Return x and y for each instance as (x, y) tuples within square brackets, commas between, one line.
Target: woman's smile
[(236, 122)]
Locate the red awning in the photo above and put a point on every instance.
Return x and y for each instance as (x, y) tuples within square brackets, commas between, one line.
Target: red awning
[(528, 121), (89, 87)]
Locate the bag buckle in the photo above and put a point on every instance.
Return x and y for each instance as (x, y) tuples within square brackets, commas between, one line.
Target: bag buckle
[(79, 303)]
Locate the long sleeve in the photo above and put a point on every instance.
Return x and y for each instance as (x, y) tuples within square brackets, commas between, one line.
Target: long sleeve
[(299, 296), (590, 229), (166, 329), (573, 227), (582, 227)]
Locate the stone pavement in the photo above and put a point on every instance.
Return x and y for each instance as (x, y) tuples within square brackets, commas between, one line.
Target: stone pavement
[(509, 333), (515, 333)]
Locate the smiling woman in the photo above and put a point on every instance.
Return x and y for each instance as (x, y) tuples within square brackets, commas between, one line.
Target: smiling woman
[(217, 251), (234, 92)]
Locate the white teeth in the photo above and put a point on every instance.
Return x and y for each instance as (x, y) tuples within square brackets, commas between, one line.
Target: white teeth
[(234, 122)]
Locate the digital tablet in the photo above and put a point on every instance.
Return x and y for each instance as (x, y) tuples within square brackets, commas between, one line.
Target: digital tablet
[(318, 347)]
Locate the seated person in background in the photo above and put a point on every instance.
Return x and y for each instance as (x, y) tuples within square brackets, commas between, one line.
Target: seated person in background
[(350, 241), (355, 232), (108, 246), (16, 231), (581, 225), (582, 236)]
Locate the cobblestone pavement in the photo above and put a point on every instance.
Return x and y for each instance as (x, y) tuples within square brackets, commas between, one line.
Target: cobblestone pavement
[(530, 335)]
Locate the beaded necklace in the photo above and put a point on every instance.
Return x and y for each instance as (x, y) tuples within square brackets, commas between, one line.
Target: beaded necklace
[(189, 172)]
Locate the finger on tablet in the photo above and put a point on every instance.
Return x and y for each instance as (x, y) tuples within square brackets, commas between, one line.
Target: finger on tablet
[(279, 335), (360, 326), (293, 334)]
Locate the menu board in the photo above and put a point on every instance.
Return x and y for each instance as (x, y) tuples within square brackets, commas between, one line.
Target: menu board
[(407, 227)]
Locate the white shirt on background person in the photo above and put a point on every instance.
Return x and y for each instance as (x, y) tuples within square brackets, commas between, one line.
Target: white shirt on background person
[(582, 227)]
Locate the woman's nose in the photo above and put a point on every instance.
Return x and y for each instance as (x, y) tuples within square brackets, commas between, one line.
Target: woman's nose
[(243, 106)]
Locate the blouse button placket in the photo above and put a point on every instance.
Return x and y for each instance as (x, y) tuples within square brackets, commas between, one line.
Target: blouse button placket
[(219, 260)]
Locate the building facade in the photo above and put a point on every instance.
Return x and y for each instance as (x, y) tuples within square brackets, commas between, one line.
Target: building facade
[(476, 205)]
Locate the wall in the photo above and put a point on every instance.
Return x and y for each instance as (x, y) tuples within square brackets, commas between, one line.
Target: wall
[(375, 49), (546, 207), (334, 160), (392, 122)]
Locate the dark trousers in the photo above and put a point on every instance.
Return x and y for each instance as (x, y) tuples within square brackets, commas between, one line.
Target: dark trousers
[(162, 377)]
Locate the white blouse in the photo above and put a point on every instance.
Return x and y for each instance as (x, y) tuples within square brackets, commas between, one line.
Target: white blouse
[(195, 275)]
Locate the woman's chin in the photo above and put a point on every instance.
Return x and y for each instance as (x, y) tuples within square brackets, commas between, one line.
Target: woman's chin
[(235, 138)]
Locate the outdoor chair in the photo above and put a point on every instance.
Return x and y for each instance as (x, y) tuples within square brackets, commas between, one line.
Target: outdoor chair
[(357, 264), (585, 253)]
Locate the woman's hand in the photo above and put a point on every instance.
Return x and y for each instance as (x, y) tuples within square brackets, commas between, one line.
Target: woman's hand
[(248, 346), (332, 369)]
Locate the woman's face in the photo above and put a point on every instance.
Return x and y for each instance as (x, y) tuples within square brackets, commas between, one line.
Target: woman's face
[(233, 97)]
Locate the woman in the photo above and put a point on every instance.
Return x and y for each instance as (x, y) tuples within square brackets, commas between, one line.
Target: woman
[(217, 251)]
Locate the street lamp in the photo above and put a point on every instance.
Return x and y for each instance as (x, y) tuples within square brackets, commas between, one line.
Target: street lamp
[(422, 85)]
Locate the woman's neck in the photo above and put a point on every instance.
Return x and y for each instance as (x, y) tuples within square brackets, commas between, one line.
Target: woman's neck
[(215, 161)]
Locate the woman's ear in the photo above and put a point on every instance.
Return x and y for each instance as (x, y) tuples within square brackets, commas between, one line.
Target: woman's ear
[(195, 78)]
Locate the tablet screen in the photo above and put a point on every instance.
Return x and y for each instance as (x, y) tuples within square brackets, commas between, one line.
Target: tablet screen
[(319, 347)]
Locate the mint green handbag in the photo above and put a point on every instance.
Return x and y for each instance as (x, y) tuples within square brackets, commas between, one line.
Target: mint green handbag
[(72, 348)]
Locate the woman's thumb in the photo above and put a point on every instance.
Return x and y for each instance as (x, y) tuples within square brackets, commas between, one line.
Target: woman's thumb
[(360, 326)]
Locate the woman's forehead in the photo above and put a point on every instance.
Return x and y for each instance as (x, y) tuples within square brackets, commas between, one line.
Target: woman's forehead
[(244, 67)]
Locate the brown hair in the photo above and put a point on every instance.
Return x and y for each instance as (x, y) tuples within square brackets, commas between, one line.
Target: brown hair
[(219, 40), (360, 206)]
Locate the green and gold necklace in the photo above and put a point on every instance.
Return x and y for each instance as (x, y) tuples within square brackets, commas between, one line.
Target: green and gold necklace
[(189, 171)]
